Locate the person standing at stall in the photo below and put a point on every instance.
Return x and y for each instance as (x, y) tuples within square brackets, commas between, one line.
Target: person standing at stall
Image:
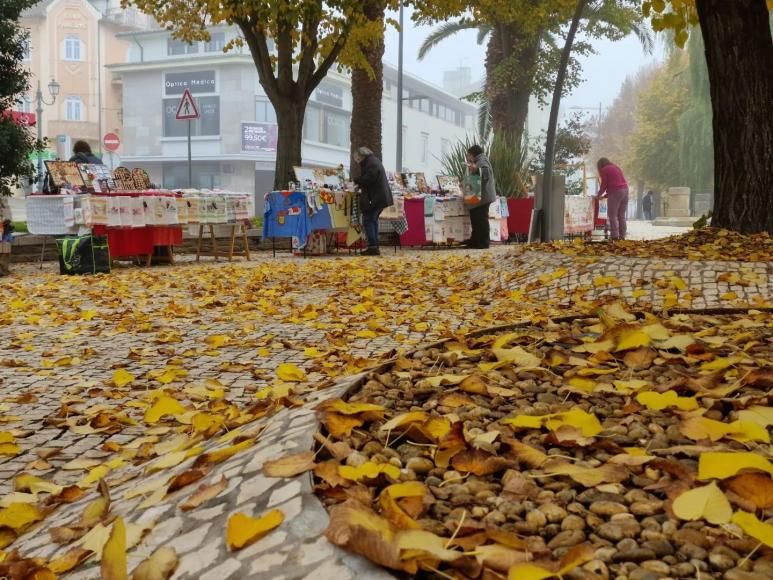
[(81, 153), (614, 187), (478, 164), (375, 195)]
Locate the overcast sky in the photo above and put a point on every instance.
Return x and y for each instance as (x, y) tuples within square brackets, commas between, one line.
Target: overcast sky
[(603, 72)]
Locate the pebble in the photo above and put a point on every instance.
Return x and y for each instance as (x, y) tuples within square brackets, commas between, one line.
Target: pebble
[(535, 519), (646, 508), (642, 574), (690, 536), (566, 539), (693, 552), (355, 459), (660, 547), (635, 555), (607, 508), (656, 566), (420, 465), (573, 522), (738, 574), (765, 567), (553, 513), (683, 570), (721, 561)]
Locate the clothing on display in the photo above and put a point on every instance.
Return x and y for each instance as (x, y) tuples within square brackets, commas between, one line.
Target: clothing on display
[(286, 216)]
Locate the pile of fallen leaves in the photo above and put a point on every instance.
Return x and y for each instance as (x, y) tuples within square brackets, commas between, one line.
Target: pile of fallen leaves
[(615, 446), (702, 244)]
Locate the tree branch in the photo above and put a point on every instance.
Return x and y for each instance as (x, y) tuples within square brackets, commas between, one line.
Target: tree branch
[(308, 49), (257, 42)]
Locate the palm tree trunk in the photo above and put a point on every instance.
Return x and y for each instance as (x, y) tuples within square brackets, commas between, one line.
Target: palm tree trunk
[(511, 63), (367, 90)]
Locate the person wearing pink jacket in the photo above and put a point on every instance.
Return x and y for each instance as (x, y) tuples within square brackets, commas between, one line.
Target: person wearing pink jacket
[(614, 187)]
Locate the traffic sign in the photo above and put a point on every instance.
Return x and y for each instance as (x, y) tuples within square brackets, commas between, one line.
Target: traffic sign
[(111, 141), (187, 108)]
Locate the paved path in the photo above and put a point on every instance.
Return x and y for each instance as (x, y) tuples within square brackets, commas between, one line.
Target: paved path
[(65, 338)]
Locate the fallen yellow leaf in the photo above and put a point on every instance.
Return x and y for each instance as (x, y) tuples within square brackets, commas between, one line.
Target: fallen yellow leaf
[(707, 502), (243, 530)]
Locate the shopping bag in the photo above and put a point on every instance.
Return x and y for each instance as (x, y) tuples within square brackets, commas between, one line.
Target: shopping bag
[(83, 255)]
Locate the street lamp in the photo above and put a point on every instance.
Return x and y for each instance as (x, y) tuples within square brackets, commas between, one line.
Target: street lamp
[(53, 90), (399, 155)]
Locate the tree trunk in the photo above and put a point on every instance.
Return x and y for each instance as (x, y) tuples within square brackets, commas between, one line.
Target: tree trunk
[(739, 55), (511, 61), (367, 92), (289, 117)]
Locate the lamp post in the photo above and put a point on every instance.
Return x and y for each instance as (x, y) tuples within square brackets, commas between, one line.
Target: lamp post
[(53, 90), (399, 155)]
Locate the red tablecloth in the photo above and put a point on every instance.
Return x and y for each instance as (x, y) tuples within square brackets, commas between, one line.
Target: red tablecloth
[(520, 215), (414, 214), (128, 242)]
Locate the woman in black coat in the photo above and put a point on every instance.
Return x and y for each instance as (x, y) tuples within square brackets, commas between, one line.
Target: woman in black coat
[(375, 195)]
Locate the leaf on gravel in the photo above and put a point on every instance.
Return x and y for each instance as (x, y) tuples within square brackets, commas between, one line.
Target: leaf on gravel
[(368, 470), (721, 363), (328, 472), (582, 385), (585, 475), (753, 527), (697, 428), (113, 563), (526, 453), (159, 566), (243, 530), (290, 466), (500, 558), (447, 379), (517, 357), (404, 419), (724, 464), (659, 401), (339, 425), (762, 378), (678, 342), (762, 416), (371, 411), (574, 558), (290, 373), (478, 462), (220, 455), (421, 544), (455, 400), (34, 484), (19, 515), (641, 358), (122, 377), (754, 487), (707, 502), (587, 423), (204, 493), (474, 384)]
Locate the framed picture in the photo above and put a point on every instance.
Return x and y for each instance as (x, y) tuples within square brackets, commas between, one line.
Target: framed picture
[(319, 177), (450, 184), (415, 182), (65, 174)]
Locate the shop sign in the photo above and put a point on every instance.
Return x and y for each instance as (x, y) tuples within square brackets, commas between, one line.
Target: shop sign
[(259, 137), (330, 95), (195, 81)]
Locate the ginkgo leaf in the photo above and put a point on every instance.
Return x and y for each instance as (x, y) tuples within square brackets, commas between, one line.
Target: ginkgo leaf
[(69, 560), (203, 494), (404, 419), (526, 453), (631, 338), (122, 377), (243, 530), (575, 557), (220, 455), (753, 527), (707, 502), (217, 340), (347, 408), (159, 566), (587, 476), (517, 356), (756, 488), (290, 466), (290, 373), (721, 363), (630, 386), (446, 379), (113, 563), (678, 342), (724, 464), (162, 407), (587, 423), (368, 470), (762, 416), (658, 401), (415, 543)]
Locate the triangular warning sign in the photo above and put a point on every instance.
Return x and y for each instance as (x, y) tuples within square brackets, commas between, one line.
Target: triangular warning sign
[(187, 108)]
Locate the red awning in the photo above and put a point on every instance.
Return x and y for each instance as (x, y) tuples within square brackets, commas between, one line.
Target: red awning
[(26, 119)]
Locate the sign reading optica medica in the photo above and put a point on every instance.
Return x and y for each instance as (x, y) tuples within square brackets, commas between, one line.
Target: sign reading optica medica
[(202, 81), (259, 137)]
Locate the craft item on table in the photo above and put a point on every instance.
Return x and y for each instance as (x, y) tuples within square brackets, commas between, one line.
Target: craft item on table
[(138, 212), (182, 210), (194, 212), (340, 209), (69, 211), (396, 210), (505, 207), (241, 207), (450, 184), (87, 211), (170, 210), (439, 211), (156, 205), (141, 179), (313, 178), (125, 205), (354, 234), (123, 179), (316, 244), (429, 206), (219, 209), (355, 218), (93, 174), (286, 216), (495, 230), (472, 189), (98, 210), (415, 182), (114, 212), (65, 174), (495, 210)]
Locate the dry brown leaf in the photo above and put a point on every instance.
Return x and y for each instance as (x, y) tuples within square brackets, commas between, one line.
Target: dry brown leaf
[(455, 400), (479, 462), (159, 566), (525, 453), (204, 493), (474, 384), (328, 472), (762, 378), (500, 558), (754, 487), (290, 466), (586, 475), (339, 425), (69, 560), (641, 358), (186, 478)]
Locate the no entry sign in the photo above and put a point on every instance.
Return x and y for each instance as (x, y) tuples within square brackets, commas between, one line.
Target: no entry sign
[(111, 141)]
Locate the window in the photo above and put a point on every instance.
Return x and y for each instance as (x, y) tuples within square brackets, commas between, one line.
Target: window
[(73, 109), (324, 126), (24, 105), (424, 105), (72, 48), (208, 124), (264, 111), (424, 147), (176, 47), (216, 42)]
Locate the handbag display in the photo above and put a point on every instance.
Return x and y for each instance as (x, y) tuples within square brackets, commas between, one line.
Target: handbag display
[(83, 255)]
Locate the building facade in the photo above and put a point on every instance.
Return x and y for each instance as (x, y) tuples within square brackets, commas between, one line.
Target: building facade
[(233, 143), (72, 41)]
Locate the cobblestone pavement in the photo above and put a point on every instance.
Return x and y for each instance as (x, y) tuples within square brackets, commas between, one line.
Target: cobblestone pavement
[(177, 328)]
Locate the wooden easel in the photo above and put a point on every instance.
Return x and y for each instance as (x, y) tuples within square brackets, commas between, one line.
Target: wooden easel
[(237, 229)]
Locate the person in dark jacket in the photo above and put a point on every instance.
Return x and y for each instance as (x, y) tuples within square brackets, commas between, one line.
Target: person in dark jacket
[(478, 164), (375, 195), (81, 153), (646, 205)]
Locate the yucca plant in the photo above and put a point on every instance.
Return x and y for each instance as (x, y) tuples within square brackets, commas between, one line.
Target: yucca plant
[(509, 160)]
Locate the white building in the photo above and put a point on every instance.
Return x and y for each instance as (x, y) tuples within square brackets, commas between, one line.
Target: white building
[(234, 141)]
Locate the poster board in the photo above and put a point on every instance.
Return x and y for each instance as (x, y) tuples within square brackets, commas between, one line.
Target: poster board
[(414, 182), (65, 174)]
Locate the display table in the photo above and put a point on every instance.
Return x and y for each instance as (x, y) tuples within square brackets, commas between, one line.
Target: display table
[(414, 213), (520, 215)]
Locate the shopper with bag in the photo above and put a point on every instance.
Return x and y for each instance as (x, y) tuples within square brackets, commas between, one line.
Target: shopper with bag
[(479, 165), (614, 187), (375, 195)]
